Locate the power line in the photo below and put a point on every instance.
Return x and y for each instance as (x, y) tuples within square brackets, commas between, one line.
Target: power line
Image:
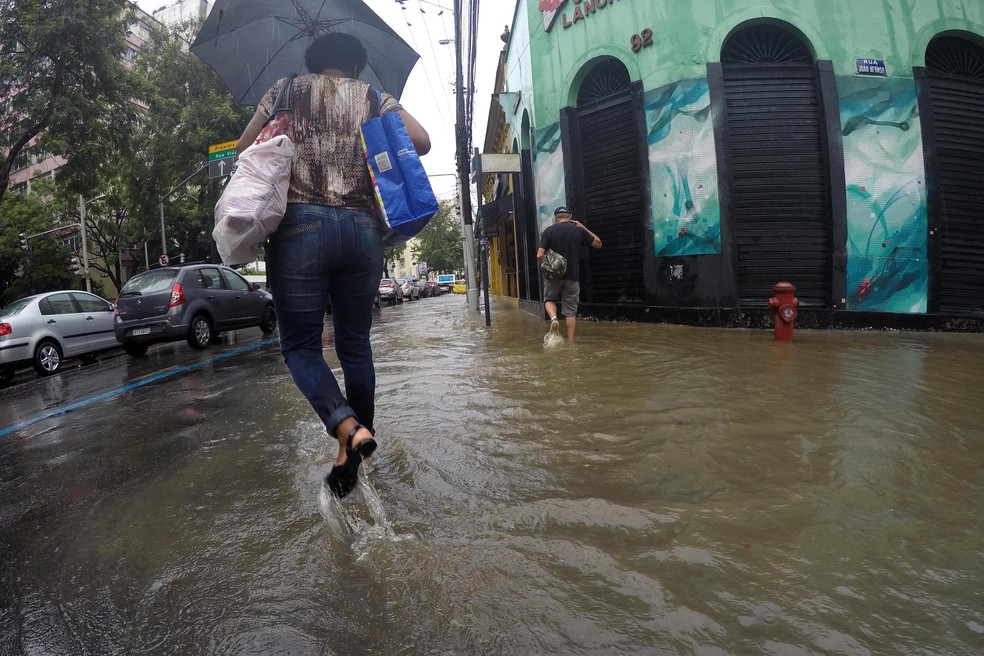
[(430, 42), (430, 84)]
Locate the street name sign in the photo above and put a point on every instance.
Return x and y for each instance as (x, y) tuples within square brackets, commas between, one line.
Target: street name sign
[(221, 158)]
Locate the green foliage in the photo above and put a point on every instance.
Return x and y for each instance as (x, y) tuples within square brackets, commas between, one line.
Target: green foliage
[(189, 109), (69, 90), (439, 244), (45, 265)]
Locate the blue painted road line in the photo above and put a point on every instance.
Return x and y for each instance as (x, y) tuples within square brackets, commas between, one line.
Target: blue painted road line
[(126, 388)]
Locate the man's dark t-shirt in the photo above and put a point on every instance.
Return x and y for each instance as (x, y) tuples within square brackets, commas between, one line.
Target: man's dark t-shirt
[(567, 239)]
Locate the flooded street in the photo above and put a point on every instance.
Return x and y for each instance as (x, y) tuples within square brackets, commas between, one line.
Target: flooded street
[(649, 490)]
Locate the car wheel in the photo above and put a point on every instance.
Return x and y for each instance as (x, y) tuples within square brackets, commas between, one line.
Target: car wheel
[(135, 349), (200, 334), (6, 375), (269, 321), (378, 303), (47, 358)]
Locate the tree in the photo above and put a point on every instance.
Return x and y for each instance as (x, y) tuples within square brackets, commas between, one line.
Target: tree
[(44, 266), (67, 88), (189, 109), (439, 243)]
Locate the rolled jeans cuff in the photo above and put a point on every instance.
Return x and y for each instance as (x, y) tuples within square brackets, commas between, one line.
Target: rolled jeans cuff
[(340, 414)]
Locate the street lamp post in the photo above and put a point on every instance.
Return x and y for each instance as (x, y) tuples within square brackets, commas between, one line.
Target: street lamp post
[(163, 198)]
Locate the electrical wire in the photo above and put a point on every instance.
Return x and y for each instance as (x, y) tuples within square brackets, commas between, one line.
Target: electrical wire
[(430, 42), (430, 84)]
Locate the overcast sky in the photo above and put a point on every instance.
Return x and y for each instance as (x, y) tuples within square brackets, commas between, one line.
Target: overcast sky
[(429, 93)]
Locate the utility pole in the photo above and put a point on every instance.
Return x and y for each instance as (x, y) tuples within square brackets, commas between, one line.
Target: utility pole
[(85, 246), (461, 151)]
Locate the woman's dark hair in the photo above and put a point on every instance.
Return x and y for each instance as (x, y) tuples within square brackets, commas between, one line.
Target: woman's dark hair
[(336, 50)]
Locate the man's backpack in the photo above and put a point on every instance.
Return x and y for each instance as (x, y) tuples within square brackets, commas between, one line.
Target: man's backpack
[(554, 265)]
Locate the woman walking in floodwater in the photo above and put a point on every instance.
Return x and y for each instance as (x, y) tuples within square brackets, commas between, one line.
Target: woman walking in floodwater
[(329, 244)]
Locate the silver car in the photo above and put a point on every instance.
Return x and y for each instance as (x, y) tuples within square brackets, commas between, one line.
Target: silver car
[(45, 329)]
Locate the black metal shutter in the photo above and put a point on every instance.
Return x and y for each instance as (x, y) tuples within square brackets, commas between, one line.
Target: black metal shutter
[(958, 124), (611, 189), (778, 167)]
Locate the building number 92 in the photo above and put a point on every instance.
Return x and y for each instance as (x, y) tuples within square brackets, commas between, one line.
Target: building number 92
[(641, 40)]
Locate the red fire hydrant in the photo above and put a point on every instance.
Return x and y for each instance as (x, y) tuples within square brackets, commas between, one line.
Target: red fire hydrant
[(784, 303)]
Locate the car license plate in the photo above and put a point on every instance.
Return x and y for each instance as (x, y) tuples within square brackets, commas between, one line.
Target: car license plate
[(140, 331)]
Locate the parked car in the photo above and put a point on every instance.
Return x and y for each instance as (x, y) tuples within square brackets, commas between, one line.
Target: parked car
[(390, 291), (193, 302), (428, 288), (445, 287), (460, 287), (410, 290), (45, 329)]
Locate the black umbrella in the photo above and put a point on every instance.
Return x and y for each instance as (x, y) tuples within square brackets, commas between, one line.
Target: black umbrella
[(251, 44)]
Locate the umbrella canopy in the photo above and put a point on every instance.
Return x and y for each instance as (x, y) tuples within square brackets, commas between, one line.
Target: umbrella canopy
[(251, 44)]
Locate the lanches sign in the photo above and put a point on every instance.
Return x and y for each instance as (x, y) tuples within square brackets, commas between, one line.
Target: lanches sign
[(582, 9)]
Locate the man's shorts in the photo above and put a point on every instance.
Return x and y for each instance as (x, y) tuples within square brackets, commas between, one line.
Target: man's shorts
[(565, 292)]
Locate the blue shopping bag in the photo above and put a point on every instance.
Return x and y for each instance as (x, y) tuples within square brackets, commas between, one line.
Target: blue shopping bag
[(403, 192)]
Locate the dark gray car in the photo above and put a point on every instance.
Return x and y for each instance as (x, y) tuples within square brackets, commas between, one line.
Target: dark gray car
[(193, 302)]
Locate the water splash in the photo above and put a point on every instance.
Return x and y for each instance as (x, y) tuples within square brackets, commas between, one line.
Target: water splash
[(553, 339), (360, 518)]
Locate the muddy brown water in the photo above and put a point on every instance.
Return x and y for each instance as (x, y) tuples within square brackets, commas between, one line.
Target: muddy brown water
[(649, 490)]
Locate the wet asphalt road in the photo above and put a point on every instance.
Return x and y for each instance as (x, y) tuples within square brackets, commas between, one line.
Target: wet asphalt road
[(651, 490)]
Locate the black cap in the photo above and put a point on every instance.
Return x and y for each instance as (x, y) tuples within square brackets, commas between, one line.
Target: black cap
[(561, 210)]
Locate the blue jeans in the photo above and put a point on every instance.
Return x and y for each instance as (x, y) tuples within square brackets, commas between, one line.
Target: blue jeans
[(318, 252)]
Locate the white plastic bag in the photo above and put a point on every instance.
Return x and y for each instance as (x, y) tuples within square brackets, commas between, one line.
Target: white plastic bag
[(254, 201)]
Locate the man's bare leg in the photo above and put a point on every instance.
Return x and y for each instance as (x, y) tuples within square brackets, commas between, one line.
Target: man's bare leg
[(569, 322), (551, 309)]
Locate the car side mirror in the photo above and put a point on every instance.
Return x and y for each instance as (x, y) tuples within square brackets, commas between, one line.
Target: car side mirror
[(255, 286)]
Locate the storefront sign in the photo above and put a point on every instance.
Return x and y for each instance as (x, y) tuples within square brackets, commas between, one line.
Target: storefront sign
[(872, 67), (641, 40), (549, 9), (582, 9)]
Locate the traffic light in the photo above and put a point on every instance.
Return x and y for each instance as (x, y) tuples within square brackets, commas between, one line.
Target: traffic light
[(76, 265), (23, 241)]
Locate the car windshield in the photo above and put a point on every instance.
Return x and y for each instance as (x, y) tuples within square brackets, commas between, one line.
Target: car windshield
[(149, 282), (15, 307)]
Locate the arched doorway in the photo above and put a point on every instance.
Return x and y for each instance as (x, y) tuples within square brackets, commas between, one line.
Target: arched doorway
[(607, 181), (953, 90), (777, 164)]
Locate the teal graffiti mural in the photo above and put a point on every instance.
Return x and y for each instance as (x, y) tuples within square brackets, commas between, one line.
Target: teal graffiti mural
[(549, 169), (683, 169), (887, 269)]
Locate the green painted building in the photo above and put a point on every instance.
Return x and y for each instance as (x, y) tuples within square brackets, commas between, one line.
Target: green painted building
[(718, 148)]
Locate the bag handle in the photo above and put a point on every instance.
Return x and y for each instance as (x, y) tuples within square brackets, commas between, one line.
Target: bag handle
[(282, 103), (375, 101)]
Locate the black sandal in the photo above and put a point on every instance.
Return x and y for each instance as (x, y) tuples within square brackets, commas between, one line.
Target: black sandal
[(342, 479)]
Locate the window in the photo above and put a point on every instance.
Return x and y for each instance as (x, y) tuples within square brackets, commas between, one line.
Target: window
[(90, 303), (148, 283), (58, 304), (20, 188), (22, 161), (211, 278), (235, 282), (129, 54), (135, 28)]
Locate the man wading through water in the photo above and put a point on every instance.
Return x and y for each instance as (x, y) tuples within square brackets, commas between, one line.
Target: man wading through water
[(566, 237)]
